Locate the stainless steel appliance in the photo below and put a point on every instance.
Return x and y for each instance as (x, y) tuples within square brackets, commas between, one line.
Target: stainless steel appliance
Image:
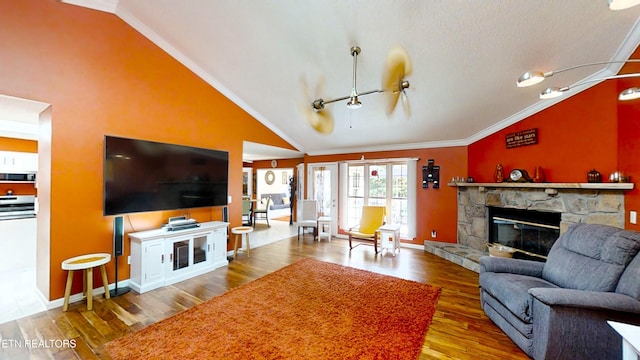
[(17, 206), (18, 177)]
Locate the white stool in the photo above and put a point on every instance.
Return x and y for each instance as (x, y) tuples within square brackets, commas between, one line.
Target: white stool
[(324, 227), (86, 263), (390, 238), (243, 232)]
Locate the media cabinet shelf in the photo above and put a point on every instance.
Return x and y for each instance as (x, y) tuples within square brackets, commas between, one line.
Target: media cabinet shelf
[(161, 257), (586, 186)]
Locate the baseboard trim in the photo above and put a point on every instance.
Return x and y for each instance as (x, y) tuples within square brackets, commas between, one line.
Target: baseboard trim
[(80, 296)]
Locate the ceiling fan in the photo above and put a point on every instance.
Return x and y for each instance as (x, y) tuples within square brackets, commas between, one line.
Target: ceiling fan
[(394, 85)]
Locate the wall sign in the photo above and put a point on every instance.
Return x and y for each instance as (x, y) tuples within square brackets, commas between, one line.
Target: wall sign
[(522, 138)]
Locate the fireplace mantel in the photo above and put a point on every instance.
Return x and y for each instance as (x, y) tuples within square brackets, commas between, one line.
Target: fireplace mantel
[(586, 186)]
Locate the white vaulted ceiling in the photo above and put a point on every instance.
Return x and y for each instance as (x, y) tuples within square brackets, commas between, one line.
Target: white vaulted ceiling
[(466, 56)]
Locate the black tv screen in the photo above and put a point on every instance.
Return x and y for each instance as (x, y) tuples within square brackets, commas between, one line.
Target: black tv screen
[(144, 175)]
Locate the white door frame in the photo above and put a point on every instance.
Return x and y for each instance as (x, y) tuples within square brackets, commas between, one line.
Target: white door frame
[(333, 168)]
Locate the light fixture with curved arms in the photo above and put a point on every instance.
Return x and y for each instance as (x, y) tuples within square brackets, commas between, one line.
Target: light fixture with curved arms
[(622, 4), (630, 94), (535, 77), (553, 92)]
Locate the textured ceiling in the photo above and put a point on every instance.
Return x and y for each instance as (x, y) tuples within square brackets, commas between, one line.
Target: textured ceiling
[(466, 57)]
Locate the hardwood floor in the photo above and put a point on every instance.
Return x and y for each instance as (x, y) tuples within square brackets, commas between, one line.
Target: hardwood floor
[(459, 330)]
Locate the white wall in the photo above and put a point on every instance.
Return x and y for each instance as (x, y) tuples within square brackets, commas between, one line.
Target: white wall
[(280, 181)]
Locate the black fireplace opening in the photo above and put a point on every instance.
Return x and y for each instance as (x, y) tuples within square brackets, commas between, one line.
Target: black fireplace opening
[(531, 232)]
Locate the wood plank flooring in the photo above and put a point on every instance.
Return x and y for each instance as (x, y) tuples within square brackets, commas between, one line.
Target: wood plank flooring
[(459, 330)]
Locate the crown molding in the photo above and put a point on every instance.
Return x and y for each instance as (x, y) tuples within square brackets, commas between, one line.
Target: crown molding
[(101, 5), (393, 147)]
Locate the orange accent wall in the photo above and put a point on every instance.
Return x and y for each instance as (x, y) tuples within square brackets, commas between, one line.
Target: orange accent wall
[(103, 77), (629, 139), (575, 136)]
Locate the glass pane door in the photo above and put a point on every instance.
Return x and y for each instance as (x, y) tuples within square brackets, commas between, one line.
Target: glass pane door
[(200, 250), (180, 254), (323, 186)]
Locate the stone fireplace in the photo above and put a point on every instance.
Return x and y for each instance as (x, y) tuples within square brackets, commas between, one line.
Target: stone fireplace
[(574, 203)]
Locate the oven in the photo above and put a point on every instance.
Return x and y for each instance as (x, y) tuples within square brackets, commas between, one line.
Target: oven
[(17, 207)]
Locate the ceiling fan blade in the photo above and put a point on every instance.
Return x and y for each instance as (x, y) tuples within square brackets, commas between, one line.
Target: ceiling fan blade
[(320, 120), (405, 104), (397, 68)]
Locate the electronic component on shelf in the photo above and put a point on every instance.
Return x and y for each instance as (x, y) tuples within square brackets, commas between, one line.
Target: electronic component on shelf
[(181, 223)]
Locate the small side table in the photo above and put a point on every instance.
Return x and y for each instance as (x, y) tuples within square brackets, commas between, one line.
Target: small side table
[(243, 232), (324, 227), (86, 263), (630, 339), (390, 238)]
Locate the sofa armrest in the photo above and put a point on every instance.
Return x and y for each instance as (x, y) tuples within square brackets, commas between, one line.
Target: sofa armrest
[(512, 266), (606, 301)]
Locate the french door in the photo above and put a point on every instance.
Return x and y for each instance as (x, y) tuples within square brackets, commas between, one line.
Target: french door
[(322, 186)]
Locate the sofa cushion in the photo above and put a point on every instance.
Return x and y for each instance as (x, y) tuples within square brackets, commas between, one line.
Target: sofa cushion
[(629, 284), (513, 291), (590, 257), (276, 201)]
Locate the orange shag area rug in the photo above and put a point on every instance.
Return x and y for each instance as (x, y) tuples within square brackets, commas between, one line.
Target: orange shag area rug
[(308, 310)]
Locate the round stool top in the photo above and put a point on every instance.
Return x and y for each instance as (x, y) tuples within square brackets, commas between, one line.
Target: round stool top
[(241, 230), (86, 261)]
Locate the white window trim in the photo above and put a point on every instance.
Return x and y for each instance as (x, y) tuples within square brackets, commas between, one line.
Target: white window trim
[(412, 183)]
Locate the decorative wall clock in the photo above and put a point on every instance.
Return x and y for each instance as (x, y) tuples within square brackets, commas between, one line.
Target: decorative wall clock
[(269, 177)]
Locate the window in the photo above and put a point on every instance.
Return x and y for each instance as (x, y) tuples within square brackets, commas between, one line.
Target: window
[(387, 184)]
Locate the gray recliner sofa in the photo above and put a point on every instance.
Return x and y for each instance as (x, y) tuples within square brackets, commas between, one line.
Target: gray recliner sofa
[(559, 309)]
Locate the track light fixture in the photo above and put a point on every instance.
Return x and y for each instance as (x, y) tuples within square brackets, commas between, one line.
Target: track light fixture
[(535, 77), (622, 4), (630, 94)]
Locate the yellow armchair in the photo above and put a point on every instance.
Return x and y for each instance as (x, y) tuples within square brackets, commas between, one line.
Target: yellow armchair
[(372, 218)]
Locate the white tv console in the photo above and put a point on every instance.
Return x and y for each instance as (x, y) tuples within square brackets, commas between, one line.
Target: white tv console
[(160, 257)]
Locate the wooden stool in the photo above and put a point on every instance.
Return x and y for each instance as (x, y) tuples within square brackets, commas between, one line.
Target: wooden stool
[(242, 231), (86, 263)]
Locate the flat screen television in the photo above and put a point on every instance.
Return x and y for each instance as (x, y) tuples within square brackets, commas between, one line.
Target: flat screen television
[(142, 175)]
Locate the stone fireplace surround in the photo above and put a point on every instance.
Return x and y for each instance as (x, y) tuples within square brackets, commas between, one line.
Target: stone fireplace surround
[(600, 203)]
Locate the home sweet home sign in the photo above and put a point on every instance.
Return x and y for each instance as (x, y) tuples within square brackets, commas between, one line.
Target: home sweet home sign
[(522, 138)]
